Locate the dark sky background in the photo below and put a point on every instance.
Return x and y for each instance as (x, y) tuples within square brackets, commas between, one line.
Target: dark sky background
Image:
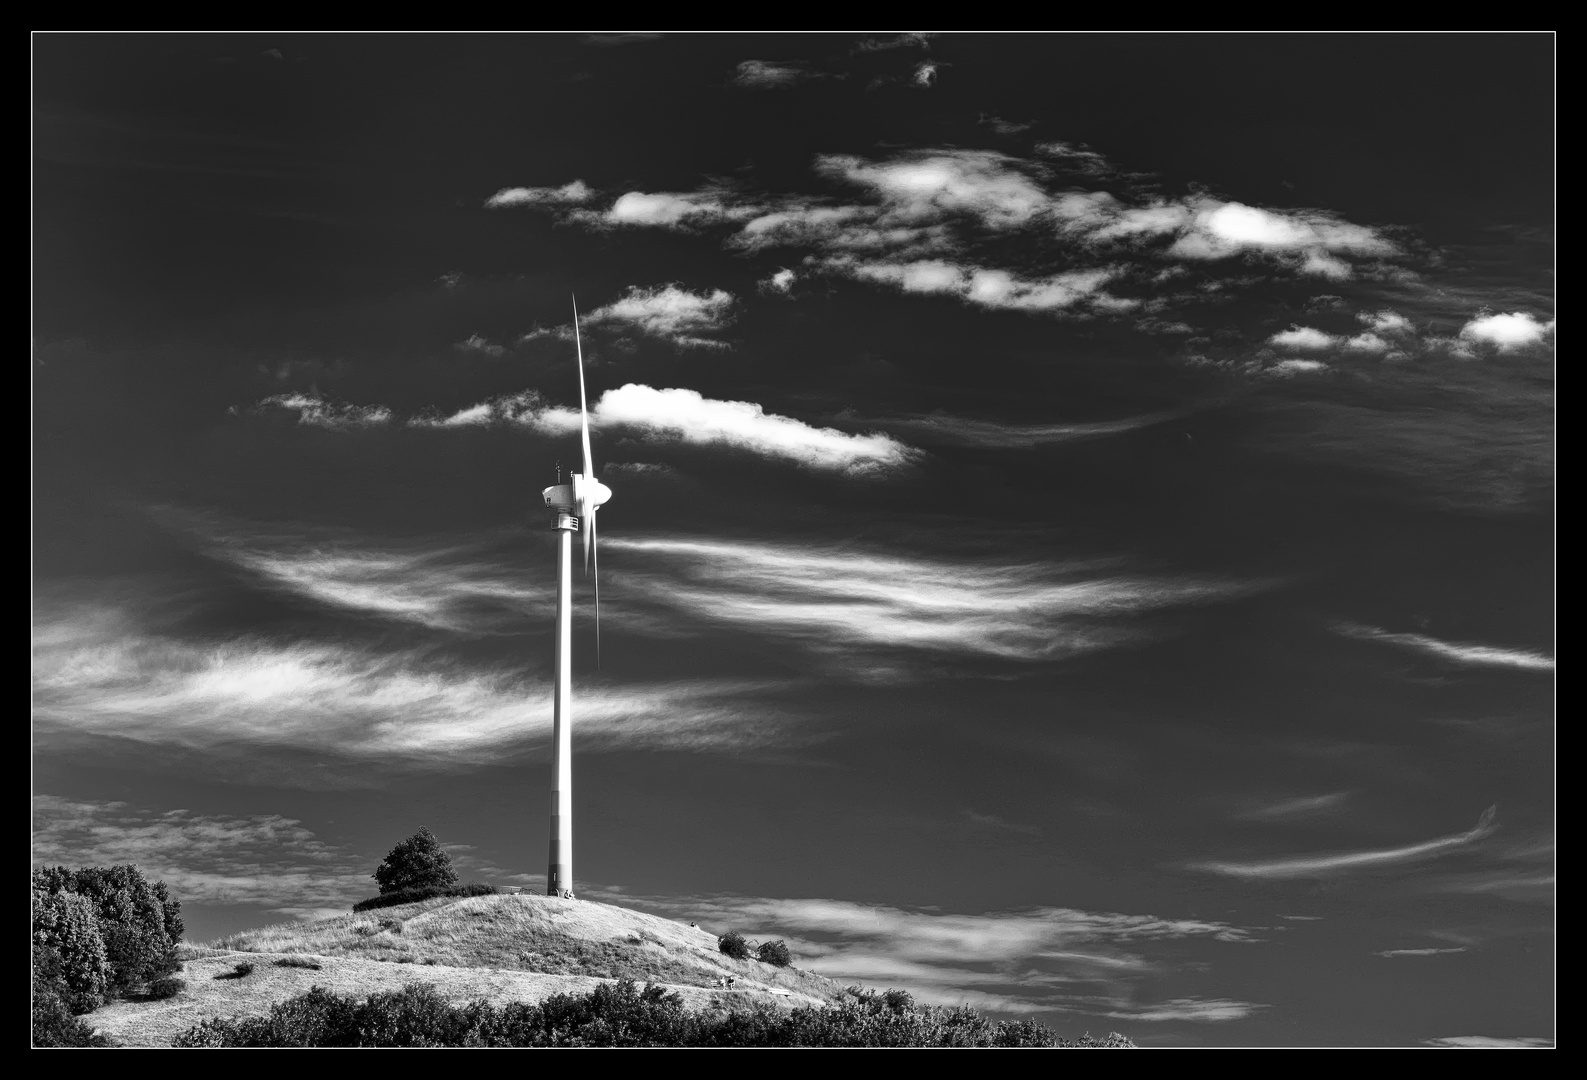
[(1082, 541)]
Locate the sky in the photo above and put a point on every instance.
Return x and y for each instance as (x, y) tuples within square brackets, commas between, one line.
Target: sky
[(1082, 531)]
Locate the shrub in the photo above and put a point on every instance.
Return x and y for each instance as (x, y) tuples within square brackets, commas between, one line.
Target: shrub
[(774, 953), (298, 962), (139, 922), (166, 986), (68, 950), (53, 1022), (733, 944), (243, 969), (413, 896), (616, 1014), (416, 863)]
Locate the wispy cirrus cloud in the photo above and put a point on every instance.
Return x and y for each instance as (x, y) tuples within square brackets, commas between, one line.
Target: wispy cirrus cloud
[(1297, 807), (1464, 654), (101, 674), (1333, 864), (875, 613), (1420, 952), (1491, 1042), (262, 859), (1041, 959), (965, 431)]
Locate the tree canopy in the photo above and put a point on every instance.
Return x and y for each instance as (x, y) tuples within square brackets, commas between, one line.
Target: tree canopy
[(416, 863)]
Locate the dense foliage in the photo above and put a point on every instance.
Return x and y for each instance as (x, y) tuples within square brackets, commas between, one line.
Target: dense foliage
[(416, 863), (774, 953), (68, 949), (616, 1014), (733, 944), (98, 932), (413, 896), (138, 921)]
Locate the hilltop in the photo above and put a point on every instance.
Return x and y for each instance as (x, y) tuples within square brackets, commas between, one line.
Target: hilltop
[(500, 948)]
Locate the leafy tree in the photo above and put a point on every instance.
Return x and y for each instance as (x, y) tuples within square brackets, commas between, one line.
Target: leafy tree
[(53, 1022), (774, 953), (68, 951), (416, 863), (140, 924), (733, 944)]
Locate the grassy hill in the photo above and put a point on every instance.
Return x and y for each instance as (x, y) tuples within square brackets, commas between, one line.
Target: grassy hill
[(500, 948)]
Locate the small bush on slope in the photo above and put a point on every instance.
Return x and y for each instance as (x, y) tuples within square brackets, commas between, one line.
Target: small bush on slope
[(733, 944), (774, 953), (429, 892), (615, 1014)]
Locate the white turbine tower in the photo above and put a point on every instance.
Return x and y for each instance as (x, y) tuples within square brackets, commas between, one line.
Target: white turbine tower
[(574, 505)]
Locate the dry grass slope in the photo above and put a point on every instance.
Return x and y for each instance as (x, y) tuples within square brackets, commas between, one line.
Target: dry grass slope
[(500, 948)]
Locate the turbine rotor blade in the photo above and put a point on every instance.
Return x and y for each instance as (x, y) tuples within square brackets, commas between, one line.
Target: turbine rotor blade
[(584, 408)]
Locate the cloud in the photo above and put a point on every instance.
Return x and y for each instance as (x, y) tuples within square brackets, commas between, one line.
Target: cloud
[(925, 74), (1367, 343), (963, 431), (477, 344), (1019, 961), (1420, 952), (780, 282), (99, 674), (990, 187), (1303, 806), (1345, 862), (774, 74), (1220, 229), (871, 613), (901, 41), (315, 411), (1292, 367), (1214, 1010), (1489, 1042), (669, 210), (1304, 338), (669, 312), (1005, 127), (686, 416), (981, 287), (262, 859), (671, 415), (1386, 322), (1076, 158), (1466, 654), (1507, 333), (575, 193)]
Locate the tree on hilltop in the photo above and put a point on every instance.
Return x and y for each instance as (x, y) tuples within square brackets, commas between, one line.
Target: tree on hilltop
[(416, 863)]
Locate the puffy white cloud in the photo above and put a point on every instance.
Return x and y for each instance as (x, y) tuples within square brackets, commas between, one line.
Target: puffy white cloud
[(687, 416), (669, 209), (925, 74), (1368, 343), (984, 287), (780, 282), (1386, 322), (1304, 338), (1507, 333), (669, 312), (575, 193), (315, 411), (1220, 229), (924, 185)]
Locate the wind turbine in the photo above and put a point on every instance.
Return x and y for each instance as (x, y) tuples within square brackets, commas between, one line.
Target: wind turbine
[(574, 506)]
